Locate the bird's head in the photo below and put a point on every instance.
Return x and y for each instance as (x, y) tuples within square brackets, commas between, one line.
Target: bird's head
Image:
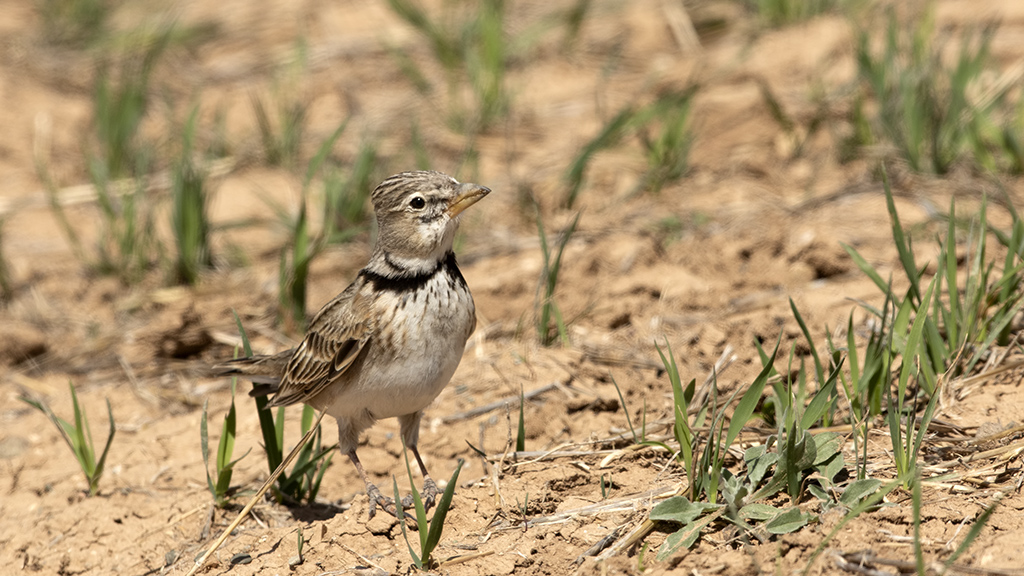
[(417, 216)]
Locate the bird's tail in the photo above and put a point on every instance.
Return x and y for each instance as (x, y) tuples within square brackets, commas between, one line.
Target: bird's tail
[(263, 371)]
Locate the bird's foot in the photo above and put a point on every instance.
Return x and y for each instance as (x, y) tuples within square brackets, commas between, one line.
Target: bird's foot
[(386, 504), (428, 495)]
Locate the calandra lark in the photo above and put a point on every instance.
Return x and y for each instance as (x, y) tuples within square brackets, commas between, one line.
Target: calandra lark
[(388, 344)]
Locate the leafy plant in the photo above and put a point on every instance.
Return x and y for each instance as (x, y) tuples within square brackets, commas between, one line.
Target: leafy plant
[(703, 466), (547, 308), (121, 100), (78, 437), (797, 454), (905, 444), (282, 124), (666, 141), (127, 244), (430, 532)]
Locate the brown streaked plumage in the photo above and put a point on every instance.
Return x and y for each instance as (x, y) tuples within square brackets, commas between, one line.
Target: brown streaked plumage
[(388, 344)]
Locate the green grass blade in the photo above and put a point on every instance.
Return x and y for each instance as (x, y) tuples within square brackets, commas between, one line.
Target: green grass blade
[(903, 245), (443, 505), (748, 403), (225, 449), (322, 152), (866, 268), (106, 448), (949, 251), (83, 439), (609, 136), (822, 398), (818, 369), (401, 522), (421, 511), (622, 402), (246, 347)]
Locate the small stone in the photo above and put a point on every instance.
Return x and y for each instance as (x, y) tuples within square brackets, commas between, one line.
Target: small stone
[(241, 558), (294, 561)]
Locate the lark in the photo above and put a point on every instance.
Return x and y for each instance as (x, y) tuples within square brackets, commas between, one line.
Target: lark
[(388, 344)]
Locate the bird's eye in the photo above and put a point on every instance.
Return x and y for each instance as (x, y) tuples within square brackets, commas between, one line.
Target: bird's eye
[(417, 203)]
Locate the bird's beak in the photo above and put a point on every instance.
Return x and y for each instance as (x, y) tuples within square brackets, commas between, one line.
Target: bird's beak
[(469, 194)]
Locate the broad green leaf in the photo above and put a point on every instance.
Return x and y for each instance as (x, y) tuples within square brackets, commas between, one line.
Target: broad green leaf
[(827, 445), (789, 520), (758, 467), (685, 536), (758, 511), (818, 492), (680, 510), (858, 490)]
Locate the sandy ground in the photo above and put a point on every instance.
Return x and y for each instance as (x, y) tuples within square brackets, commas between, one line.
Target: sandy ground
[(709, 263)]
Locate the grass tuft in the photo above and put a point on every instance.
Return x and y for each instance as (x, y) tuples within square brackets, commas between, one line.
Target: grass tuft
[(302, 248), (931, 114), (347, 211), (469, 43), (430, 532), (78, 437), (550, 323), (302, 483), (223, 465), (189, 198), (75, 23), (664, 131)]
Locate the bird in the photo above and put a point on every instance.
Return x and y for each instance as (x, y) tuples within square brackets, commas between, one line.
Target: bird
[(389, 343)]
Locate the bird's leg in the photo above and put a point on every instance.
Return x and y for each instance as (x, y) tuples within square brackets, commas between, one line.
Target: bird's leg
[(430, 490), (376, 498), (410, 430)]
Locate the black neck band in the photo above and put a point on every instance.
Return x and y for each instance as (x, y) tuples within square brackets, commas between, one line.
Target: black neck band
[(411, 282)]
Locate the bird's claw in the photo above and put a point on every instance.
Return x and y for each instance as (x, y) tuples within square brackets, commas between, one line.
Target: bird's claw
[(428, 495), (377, 499)]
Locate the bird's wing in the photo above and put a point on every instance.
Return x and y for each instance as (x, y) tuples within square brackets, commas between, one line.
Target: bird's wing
[(335, 337)]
